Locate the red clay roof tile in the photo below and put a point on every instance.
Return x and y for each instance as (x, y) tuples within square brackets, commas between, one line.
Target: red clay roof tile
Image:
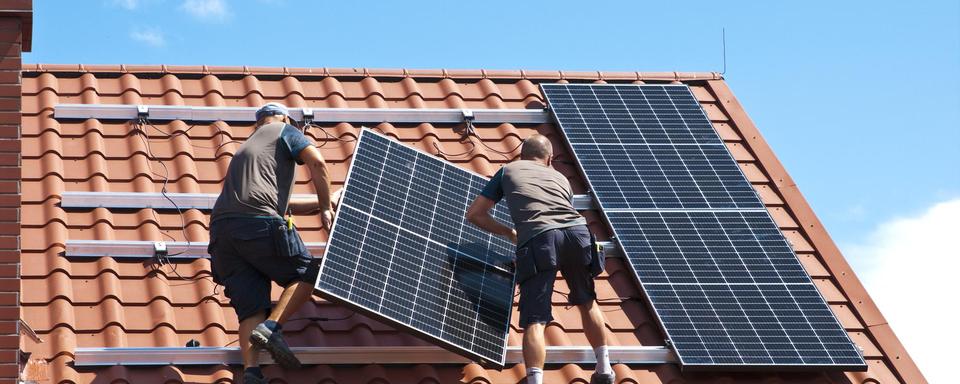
[(106, 302)]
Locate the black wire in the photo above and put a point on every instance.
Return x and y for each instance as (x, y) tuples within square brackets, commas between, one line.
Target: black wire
[(472, 131), (165, 258), (327, 135), (315, 318), (446, 156)]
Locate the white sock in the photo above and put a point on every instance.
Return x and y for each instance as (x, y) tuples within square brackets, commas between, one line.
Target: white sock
[(534, 376), (603, 359)]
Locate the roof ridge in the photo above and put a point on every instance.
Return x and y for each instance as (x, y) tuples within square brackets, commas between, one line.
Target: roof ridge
[(246, 70)]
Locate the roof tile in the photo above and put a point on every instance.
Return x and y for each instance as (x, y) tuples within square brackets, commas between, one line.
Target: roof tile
[(106, 302)]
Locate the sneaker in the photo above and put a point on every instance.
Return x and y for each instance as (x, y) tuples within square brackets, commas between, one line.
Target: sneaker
[(252, 378), (601, 378), (272, 341)]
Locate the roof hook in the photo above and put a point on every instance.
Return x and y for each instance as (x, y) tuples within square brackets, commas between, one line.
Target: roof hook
[(468, 118), (307, 117)]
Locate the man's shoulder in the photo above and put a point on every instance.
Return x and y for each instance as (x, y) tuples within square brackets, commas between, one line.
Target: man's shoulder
[(529, 168)]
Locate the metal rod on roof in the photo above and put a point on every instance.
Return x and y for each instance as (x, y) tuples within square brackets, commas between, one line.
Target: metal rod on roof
[(144, 249), (86, 357), (201, 201), (140, 249), (320, 115)]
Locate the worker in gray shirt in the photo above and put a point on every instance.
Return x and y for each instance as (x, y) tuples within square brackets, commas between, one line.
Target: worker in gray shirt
[(252, 243), (550, 235)]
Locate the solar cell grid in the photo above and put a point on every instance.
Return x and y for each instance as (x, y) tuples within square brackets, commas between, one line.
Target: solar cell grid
[(723, 281), (707, 248), (401, 251)]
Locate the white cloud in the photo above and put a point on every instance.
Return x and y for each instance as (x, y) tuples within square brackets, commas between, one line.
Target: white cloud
[(212, 10), (150, 36), (909, 266)]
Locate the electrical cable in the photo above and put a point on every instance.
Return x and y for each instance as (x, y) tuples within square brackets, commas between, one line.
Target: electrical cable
[(164, 259), (472, 131), (318, 318), (446, 156)]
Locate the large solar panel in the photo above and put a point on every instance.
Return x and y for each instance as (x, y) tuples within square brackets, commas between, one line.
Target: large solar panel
[(723, 281), (402, 252)]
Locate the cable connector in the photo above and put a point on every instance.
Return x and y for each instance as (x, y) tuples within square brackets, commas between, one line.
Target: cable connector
[(159, 249), (467, 115), (468, 118), (307, 115), (143, 111)]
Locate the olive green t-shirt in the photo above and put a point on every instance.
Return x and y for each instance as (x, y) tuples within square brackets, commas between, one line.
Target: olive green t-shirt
[(539, 198)]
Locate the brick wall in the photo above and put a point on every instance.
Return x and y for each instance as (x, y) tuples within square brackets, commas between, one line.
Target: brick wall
[(15, 32)]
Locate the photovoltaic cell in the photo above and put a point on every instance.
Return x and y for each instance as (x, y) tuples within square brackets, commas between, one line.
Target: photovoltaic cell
[(723, 281), (401, 251)]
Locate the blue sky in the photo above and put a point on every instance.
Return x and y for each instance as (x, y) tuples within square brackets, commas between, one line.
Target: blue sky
[(860, 100)]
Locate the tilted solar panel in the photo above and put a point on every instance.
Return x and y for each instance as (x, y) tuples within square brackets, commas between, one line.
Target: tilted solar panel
[(723, 281), (401, 251)]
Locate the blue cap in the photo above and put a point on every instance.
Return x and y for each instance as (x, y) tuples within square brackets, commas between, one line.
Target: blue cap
[(272, 109)]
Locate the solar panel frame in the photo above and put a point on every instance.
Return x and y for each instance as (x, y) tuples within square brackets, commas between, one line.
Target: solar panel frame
[(688, 362), (495, 359)]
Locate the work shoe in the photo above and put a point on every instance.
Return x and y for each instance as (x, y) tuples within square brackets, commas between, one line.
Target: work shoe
[(601, 378), (253, 378), (265, 338)]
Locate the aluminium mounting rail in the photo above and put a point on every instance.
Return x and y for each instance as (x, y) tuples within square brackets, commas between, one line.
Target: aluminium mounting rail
[(140, 249), (201, 201), (321, 115), (86, 357)]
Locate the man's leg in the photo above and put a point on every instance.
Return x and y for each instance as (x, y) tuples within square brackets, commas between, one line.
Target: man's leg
[(593, 323), (293, 297), (583, 294), (267, 333), (534, 352), (248, 353)]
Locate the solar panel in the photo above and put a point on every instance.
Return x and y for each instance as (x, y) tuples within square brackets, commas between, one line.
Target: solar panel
[(401, 251), (723, 281)]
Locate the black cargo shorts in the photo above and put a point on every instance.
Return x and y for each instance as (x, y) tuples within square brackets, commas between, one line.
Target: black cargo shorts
[(566, 249), (248, 253)]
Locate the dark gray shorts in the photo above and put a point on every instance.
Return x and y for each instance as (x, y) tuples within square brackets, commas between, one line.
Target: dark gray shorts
[(248, 253), (566, 249)]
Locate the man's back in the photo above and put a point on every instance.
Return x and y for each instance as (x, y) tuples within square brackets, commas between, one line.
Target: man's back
[(261, 173), (538, 196)]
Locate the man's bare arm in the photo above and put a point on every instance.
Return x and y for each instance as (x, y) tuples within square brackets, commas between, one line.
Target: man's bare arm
[(309, 206), (310, 156), (479, 215), (304, 206)]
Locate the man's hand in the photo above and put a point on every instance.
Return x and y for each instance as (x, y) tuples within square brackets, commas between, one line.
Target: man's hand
[(479, 214), (335, 199), (326, 219)]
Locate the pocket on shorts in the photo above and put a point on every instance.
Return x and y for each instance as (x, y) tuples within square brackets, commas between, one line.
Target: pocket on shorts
[(253, 238), (537, 256), (526, 268), (580, 240), (288, 242)]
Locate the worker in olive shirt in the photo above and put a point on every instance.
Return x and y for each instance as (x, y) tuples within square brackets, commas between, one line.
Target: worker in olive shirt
[(550, 235), (252, 244)]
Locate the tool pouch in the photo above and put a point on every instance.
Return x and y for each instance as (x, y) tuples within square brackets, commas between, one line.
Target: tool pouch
[(598, 259), (287, 241)]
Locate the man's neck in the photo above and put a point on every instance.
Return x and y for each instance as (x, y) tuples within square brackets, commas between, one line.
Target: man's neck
[(538, 161)]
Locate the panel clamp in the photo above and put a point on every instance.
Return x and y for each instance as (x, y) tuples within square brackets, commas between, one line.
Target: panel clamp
[(307, 116), (468, 118), (143, 111), (159, 249)]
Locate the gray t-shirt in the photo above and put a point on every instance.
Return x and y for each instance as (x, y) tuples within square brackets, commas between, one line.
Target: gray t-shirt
[(539, 198), (261, 173)]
